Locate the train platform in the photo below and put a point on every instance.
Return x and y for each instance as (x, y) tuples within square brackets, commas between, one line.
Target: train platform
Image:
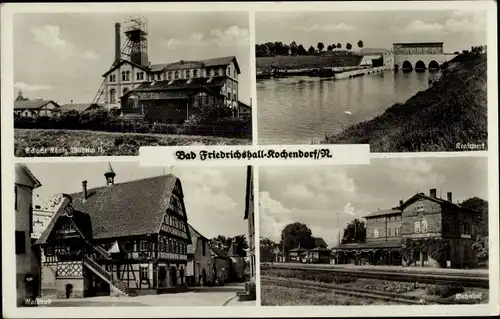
[(413, 269)]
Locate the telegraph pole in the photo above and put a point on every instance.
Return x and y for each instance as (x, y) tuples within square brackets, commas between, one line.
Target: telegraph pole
[(338, 239)]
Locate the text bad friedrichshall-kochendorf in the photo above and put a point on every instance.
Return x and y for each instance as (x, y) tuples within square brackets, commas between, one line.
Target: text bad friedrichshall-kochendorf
[(317, 154)]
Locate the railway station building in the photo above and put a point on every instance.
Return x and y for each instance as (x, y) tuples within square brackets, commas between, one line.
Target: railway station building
[(420, 217)]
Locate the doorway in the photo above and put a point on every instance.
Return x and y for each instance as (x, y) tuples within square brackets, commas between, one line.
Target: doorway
[(69, 290), (173, 274), (162, 276)]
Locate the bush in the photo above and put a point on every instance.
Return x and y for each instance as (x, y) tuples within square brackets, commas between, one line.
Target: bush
[(444, 291), (320, 276)]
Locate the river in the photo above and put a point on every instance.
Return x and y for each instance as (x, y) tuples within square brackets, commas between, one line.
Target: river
[(302, 109)]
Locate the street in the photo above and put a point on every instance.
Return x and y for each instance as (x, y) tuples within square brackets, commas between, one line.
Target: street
[(197, 296)]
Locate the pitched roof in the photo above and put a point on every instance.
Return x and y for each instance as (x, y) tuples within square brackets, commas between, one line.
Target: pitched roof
[(241, 104), (180, 84), (318, 241), (436, 200), (23, 167), (383, 212), (115, 65), (32, 104), (191, 248), (319, 248), (212, 62), (298, 249), (80, 107), (125, 209)]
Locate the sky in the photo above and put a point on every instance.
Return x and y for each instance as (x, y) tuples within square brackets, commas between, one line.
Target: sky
[(214, 197), (62, 56), (314, 194), (457, 29)]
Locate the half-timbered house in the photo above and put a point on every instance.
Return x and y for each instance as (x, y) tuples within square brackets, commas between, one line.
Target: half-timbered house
[(123, 238)]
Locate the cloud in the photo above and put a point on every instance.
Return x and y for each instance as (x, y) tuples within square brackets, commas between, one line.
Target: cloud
[(471, 24), (273, 216), (31, 87), (50, 37), (326, 27), (232, 36)]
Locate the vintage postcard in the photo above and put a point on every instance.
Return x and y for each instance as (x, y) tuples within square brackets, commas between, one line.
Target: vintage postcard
[(116, 234), (330, 235), (121, 82), (401, 81)]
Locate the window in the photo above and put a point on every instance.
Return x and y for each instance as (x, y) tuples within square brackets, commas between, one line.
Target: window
[(15, 196), (125, 90), (169, 247), (140, 75), (176, 75), (20, 242), (234, 97), (169, 75), (235, 73), (144, 245), (144, 272), (221, 72), (420, 208), (162, 244), (125, 75), (416, 226), (112, 96), (195, 73), (375, 233), (423, 226), (228, 71), (175, 246), (204, 246), (396, 231), (188, 73), (49, 251), (128, 246), (212, 72), (466, 228), (228, 95), (389, 232), (112, 78)]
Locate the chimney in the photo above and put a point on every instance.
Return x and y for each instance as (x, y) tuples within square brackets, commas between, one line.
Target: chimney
[(400, 202), (71, 101), (449, 197), (118, 53), (432, 192), (84, 186)]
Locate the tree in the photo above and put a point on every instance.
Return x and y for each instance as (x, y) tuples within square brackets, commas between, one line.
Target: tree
[(355, 231), (221, 242), (240, 245), (294, 234), (320, 46), (480, 247), (267, 248), (339, 46), (301, 50), (329, 48), (293, 48), (360, 44), (348, 46), (311, 50), (481, 206)]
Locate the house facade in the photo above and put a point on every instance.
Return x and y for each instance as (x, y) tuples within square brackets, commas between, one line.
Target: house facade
[(199, 267), (296, 254), (222, 265), (36, 108), (250, 217), (27, 261), (96, 245), (421, 216)]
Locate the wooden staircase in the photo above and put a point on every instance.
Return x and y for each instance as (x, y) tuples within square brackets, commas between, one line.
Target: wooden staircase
[(97, 269)]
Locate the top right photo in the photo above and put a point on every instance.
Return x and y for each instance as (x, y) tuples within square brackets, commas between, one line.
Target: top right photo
[(401, 81)]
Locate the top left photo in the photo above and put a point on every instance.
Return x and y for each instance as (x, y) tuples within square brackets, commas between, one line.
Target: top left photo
[(105, 84)]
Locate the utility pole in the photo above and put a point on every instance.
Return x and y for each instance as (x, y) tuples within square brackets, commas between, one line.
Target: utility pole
[(338, 239)]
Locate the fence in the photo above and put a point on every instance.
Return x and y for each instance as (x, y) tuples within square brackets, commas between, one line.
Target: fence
[(224, 128)]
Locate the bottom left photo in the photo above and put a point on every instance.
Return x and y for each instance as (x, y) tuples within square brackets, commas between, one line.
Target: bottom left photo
[(120, 234)]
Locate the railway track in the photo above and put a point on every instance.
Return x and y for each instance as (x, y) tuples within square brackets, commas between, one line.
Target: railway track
[(329, 288), (470, 280)]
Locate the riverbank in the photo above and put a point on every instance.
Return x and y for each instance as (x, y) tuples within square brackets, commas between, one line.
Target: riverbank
[(448, 115), (306, 62), (55, 143)]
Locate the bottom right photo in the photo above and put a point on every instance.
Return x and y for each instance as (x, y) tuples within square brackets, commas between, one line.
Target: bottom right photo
[(398, 231)]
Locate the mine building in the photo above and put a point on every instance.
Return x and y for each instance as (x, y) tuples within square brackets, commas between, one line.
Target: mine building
[(118, 239), (164, 92), (33, 109), (421, 216)]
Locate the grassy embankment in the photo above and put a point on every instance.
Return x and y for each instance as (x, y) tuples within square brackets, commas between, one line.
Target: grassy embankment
[(305, 62), (111, 144), (273, 295), (453, 110)]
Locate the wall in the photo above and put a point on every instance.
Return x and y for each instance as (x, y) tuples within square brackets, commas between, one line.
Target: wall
[(431, 213), (202, 262), (48, 280), (78, 287), (461, 253), (383, 224), (399, 59), (220, 264), (27, 262)]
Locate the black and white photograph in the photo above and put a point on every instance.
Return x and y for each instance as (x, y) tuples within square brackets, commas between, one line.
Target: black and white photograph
[(400, 81), (112, 234), (103, 84), (396, 232)]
